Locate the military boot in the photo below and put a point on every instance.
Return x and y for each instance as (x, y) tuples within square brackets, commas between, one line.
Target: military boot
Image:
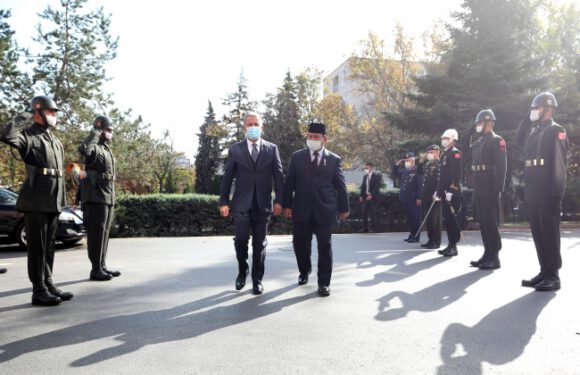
[(65, 296), (114, 273), (42, 297), (97, 274)]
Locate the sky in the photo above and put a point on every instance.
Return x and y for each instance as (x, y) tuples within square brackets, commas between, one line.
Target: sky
[(174, 56)]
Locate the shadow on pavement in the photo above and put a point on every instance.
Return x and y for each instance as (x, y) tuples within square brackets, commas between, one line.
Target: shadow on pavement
[(499, 338), (429, 299), (153, 327), (401, 270)]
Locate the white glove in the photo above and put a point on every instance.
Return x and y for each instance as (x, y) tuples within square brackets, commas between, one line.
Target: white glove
[(448, 196), (435, 197)]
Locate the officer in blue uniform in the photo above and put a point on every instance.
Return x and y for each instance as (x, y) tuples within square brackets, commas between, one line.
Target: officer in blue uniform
[(410, 182)]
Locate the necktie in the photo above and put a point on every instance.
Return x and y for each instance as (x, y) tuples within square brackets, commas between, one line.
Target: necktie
[(368, 183), (315, 161), (254, 152)]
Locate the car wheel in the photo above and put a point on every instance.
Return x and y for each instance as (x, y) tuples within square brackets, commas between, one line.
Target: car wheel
[(21, 236)]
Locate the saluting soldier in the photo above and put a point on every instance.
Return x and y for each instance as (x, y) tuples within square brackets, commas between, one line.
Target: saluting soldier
[(430, 170), (98, 195), (410, 182), (489, 165), (545, 144), (42, 196), (449, 189)]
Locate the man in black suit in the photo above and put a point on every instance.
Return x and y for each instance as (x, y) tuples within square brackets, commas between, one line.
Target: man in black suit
[(255, 164), (369, 197), (313, 194)]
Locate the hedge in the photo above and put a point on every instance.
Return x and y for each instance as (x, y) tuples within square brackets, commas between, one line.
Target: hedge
[(166, 215)]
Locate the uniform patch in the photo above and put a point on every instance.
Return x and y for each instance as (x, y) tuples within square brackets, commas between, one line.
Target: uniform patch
[(502, 145), (457, 156), (562, 136)]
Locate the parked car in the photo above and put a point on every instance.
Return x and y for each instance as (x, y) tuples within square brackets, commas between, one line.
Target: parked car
[(70, 222)]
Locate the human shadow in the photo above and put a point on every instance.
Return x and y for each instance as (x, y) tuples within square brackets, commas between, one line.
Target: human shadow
[(402, 269), (499, 338), (153, 327), (429, 299)]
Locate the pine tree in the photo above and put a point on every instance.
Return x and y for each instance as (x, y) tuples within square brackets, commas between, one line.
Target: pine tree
[(239, 103), (282, 120), (208, 153)]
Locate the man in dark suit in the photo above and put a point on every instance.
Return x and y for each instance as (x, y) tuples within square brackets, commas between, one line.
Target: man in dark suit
[(313, 194), (255, 165), (410, 182), (369, 197)]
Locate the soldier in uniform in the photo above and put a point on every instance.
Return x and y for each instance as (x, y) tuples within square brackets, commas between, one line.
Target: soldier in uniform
[(429, 170), (410, 193), (489, 164), (98, 195), (449, 189), (2, 270), (545, 144), (42, 196)]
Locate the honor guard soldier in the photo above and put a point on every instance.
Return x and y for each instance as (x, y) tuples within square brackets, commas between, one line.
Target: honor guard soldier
[(409, 193), (430, 170), (449, 189), (489, 165), (544, 144), (98, 195), (42, 196)]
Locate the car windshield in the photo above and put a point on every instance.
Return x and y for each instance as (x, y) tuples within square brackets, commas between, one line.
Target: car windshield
[(7, 197)]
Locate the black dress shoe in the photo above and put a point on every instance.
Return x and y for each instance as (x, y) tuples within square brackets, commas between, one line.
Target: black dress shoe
[(323, 291), (490, 265), (99, 275), (258, 288), (413, 240), (451, 252), (426, 244), (406, 239), (241, 280), (477, 263), (302, 279), (548, 284), (442, 251), (533, 281), (2, 270), (114, 273), (433, 246)]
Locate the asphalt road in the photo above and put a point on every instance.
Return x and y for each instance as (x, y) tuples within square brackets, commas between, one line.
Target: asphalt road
[(394, 309)]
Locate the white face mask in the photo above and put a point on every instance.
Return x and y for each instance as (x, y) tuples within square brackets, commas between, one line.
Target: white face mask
[(445, 143), (430, 157), (108, 135), (51, 120), (479, 128), (314, 145), (534, 115), (367, 171), (408, 164)]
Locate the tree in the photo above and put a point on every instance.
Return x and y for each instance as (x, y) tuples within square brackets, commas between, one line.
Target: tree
[(208, 153), (70, 66), (282, 121), (239, 103), (164, 160)]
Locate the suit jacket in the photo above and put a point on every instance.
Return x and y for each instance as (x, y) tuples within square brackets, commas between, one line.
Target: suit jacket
[(374, 185), (38, 149), (320, 191), (259, 178)]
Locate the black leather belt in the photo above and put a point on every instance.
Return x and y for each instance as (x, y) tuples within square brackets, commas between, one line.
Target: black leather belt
[(49, 172), (482, 168)]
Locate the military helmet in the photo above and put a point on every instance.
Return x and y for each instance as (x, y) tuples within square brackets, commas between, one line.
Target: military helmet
[(42, 102), (545, 99), (485, 115), (102, 122)]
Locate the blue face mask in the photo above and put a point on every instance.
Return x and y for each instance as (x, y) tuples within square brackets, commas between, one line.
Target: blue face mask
[(253, 133)]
